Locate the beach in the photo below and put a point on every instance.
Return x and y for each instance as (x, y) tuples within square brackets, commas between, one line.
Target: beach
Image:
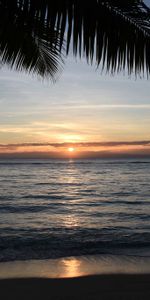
[(91, 277), (74, 150), (75, 230), (104, 287)]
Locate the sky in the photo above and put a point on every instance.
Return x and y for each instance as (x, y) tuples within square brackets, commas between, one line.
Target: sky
[(85, 113), (94, 113)]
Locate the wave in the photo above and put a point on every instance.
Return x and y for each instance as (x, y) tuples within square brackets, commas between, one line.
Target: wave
[(59, 208), (60, 246)]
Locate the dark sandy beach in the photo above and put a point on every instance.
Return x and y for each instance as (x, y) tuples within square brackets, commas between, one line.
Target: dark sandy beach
[(119, 287)]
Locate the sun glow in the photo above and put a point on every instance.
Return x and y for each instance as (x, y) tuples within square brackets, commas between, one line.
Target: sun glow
[(70, 149)]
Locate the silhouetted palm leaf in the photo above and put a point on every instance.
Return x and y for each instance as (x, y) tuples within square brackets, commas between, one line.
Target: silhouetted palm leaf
[(26, 44), (116, 33)]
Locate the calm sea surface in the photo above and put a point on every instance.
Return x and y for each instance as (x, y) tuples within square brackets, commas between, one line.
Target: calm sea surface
[(58, 208)]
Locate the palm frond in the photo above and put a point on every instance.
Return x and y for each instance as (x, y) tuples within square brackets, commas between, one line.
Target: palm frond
[(116, 33), (26, 44)]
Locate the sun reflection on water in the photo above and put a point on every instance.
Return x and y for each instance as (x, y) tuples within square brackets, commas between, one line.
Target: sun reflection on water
[(71, 267), (71, 221)]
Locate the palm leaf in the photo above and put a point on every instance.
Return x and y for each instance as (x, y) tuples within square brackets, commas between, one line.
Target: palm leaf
[(116, 33), (26, 44)]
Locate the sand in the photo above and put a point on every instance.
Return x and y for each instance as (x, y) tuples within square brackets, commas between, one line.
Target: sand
[(117, 287)]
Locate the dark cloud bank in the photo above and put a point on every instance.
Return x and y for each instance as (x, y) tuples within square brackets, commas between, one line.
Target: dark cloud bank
[(80, 144), (144, 152)]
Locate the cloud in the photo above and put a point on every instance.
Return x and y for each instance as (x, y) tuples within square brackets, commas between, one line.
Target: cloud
[(76, 144)]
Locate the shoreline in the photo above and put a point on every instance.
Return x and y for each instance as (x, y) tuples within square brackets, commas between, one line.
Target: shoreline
[(75, 266), (73, 278), (127, 286)]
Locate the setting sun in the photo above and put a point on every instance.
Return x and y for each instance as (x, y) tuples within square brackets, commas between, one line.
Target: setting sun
[(71, 149)]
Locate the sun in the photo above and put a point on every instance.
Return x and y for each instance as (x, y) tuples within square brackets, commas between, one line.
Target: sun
[(70, 149)]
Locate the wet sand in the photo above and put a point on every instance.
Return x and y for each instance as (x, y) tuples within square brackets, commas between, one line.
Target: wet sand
[(117, 287)]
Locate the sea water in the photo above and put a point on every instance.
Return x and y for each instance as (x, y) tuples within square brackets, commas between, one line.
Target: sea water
[(68, 208)]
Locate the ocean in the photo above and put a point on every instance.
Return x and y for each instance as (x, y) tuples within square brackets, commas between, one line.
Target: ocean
[(63, 208)]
